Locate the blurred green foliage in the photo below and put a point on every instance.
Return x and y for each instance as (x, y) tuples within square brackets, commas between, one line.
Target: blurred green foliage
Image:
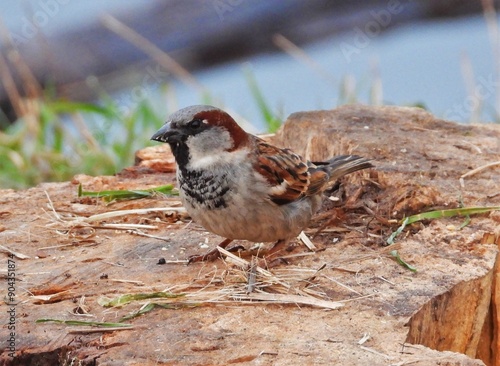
[(56, 139)]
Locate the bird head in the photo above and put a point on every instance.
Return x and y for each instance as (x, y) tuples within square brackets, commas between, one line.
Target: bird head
[(199, 132)]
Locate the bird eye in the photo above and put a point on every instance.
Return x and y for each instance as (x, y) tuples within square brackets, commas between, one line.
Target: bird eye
[(195, 124)]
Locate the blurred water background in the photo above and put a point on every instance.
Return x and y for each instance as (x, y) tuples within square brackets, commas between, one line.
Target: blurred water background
[(390, 52), (84, 84)]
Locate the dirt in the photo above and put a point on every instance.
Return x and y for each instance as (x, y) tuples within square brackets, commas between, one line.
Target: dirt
[(390, 315)]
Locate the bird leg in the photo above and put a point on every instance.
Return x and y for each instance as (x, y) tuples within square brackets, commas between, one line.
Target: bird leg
[(211, 255), (272, 257)]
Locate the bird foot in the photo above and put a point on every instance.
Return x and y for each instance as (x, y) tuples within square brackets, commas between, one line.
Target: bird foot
[(213, 254), (207, 257), (270, 262), (267, 259)]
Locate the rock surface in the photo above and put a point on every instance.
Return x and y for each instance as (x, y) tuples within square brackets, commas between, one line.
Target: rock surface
[(446, 313)]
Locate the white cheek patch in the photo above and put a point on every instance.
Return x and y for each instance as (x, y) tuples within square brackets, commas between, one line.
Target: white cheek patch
[(223, 158), (208, 144), (205, 161)]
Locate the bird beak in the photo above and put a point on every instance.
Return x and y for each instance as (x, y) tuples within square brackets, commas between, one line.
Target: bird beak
[(166, 134)]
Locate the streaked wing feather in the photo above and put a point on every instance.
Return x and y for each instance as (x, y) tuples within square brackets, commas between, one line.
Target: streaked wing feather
[(286, 172)]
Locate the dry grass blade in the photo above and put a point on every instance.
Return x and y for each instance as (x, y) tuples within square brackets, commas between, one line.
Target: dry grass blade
[(382, 252), (243, 283), (101, 330), (52, 208), (79, 220), (130, 227), (490, 16), (10, 87), (364, 348), (244, 264), (343, 286), (140, 233), (296, 52), (140, 211), (477, 170), (291, 299), (307, 242), (30, 83), (152, 51), (40, 299), (266, 279), (358, 298), (252, 274), (470, 84), (16, 254), (138, 283), (366, 337)]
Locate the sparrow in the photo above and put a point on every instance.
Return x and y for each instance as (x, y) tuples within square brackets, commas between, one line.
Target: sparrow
[(238, 186)]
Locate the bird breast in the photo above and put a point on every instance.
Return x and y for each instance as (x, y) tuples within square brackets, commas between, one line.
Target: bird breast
[(233, 202)]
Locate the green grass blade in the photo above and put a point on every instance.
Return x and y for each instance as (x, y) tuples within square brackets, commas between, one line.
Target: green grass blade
[(271, 121), (125, 299), (390, 239), (79, 322), (127, 194), (464, 211), (395, 255), (61, 106), (148, 307), (143, 310), (465, 223)]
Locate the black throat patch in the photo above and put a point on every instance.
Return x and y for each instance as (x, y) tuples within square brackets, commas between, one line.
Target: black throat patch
[(181, 153), (203, 188)]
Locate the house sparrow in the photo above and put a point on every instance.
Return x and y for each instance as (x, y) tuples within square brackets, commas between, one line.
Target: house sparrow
[(238, 186)]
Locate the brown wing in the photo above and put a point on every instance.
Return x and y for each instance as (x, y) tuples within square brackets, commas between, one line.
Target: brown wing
[(286, 172)]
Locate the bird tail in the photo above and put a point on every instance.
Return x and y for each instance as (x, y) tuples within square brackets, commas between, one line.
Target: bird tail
[(342, 165), (325, 174)]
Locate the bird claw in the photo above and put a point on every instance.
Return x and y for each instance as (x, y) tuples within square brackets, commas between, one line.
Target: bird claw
[(214, 253), (207, 257), (271, 259), (211, 255), (270, 262)]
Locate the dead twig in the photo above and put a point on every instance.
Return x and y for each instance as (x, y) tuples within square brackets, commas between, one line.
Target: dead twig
[(14, 253), (102, 330), (477, 170)]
